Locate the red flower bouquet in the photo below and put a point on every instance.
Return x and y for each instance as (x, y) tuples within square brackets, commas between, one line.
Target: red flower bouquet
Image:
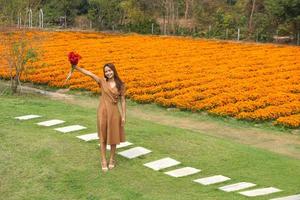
[(74, 59)]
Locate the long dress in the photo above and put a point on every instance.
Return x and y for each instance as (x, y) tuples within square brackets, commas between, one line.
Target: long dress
[(109, 120)]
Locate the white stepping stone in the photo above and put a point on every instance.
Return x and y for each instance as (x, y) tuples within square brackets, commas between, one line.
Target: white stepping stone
[(88, 137), (51, 122), (26, 117), (121, 145), (212, 180), (259, 192), (185, 171), (293, 197), (134, 152), (236, 186), (68, 129), (162, 163)]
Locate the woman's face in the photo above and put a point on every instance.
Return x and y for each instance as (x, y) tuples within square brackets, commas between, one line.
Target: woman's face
[(108, 72)]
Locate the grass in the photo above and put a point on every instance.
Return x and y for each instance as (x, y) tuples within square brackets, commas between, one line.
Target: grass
[(197, 116), (40, 163)]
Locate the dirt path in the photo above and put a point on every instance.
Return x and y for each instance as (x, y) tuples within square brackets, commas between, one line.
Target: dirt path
[(275, 141)]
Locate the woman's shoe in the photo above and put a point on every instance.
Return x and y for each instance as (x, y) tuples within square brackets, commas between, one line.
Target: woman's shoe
[(104, 167), (112, 164)]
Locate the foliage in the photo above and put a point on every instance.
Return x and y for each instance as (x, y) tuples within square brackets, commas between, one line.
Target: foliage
[(259, 20), (19, 54), (105, 14)]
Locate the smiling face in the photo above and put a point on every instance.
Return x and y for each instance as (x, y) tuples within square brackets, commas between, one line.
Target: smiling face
[(109, 73)]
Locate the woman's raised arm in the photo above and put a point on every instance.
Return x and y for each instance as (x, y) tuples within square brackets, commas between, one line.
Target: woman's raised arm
[(88, 73)]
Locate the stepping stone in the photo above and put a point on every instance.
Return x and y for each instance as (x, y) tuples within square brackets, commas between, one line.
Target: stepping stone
[(293, 197), (185, 171), (88, 137), (134, 152), (51, 122), (68, 129), (236, 186), (259, 192), (162, 163), (212, 180), (121, 145), (26, 117)]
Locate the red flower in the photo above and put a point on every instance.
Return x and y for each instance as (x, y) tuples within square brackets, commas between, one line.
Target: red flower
[(74, 58)]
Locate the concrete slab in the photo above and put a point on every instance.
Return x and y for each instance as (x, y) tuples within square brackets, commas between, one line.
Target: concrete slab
[(88, 137), (50, 122), (134, 152), (27, 117), (68, 129), (292, 197), (162, 163), (185, 171), (212, 180), (260, 192), (236, 186)]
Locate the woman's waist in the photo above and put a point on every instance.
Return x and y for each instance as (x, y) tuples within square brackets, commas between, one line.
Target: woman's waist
[(109, 99)]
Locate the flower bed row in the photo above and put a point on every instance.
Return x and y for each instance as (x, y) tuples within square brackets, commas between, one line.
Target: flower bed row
[(246, 81)]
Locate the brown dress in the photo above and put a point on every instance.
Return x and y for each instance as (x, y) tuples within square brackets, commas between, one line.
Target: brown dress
[(109, 120)]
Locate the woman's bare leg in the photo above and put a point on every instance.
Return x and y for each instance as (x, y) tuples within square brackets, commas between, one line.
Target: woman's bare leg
[(112, 155), (103, 155)]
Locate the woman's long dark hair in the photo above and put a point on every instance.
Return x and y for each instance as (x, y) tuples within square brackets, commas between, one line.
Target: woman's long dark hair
[(119, 82)]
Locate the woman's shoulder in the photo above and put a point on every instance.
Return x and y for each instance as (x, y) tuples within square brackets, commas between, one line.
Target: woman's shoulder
[(102, 79)]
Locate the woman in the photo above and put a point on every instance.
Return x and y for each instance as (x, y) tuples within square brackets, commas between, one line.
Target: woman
[(110, 122)]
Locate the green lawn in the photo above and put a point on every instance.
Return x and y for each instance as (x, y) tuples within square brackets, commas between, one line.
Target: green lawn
[(40, 163)]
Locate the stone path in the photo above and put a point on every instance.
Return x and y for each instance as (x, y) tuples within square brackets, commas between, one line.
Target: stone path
[(134, 152), (185, 171), (212, 180), (236, 186), (68, 129), (52, 122), (167, 162), (27, 117), (162, 163), (260, 191), (292, 197), (121, 145), (88, 137)]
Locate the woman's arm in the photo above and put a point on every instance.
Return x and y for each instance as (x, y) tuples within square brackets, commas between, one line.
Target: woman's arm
[(123, 105), (88, 73)]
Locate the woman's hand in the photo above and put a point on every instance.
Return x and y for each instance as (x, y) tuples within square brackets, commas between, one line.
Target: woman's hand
[(73, 66), (123, 121)]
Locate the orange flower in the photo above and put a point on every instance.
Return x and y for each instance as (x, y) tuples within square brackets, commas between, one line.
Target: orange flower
[(223, 78)]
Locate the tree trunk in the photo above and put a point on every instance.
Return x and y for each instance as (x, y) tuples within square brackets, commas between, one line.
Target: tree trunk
[(186, 9), (168, 15), (192, 6), (250, 29), (14, 85), (172, 6), (164, 25)]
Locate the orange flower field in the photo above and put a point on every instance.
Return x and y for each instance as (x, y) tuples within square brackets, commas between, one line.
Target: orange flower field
[(259, 82)]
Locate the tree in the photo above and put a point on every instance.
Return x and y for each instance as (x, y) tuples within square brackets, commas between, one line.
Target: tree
[(250, 28), (19, 54), (55, 9), (105, 13), (11, 9), (284, 15)]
